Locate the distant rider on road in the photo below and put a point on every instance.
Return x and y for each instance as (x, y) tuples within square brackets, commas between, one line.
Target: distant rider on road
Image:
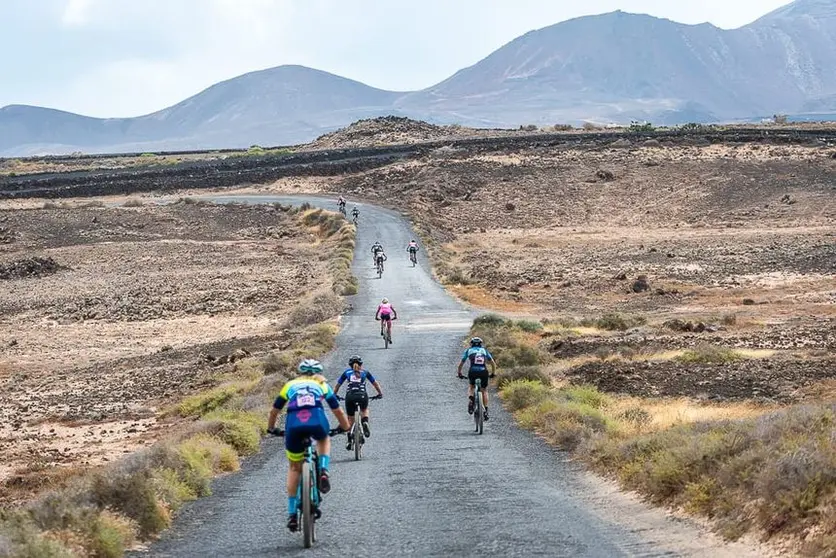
[(306, 417), (355, 379), (386, 313), (376, 247), (412, 247), (479, 358)]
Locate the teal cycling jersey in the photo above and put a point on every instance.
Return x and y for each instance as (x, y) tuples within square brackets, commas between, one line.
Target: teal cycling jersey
[(478, 357)]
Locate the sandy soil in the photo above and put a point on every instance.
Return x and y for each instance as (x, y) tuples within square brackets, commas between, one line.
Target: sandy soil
[(117, 324)]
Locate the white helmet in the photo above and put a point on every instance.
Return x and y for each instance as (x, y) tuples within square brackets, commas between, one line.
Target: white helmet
[(384, 301), (310, 366)]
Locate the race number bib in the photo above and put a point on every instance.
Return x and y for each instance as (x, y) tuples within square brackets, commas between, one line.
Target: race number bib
[(355, 379), (479, 359), (305, 400)]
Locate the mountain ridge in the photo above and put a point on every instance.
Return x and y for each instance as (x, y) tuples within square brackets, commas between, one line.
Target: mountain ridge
[(612, 67)]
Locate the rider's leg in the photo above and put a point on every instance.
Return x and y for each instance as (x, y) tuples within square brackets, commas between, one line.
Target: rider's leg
[(323, 448), (364, 418), (294, 473), (471, 400)]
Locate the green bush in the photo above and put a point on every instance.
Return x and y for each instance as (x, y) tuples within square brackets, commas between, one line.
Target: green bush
[(520, 394), (489, 320), (205, 402), (529, 326), (709, 354), (533, 373)]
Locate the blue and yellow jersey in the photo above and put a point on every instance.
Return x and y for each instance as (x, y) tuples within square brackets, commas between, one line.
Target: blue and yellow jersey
[(479, 357), (306, 393)]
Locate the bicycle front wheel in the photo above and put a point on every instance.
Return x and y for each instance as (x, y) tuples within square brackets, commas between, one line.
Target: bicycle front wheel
[(307, 507)]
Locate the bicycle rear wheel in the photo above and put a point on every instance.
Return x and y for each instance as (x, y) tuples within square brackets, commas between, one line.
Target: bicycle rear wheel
[(479, 414), (307, 508), (358, 449)]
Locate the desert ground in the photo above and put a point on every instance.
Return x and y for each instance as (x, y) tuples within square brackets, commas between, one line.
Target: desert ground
[(648, 253), (110, 314), (695, 276)]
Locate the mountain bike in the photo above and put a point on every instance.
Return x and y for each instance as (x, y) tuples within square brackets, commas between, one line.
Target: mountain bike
[(478, 409), (379, 265), (354, 220), (387, 334), (342, 210), (356, 435), (308, 492), (413, 257)]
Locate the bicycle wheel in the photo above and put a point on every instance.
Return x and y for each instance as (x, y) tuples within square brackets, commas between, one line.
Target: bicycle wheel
[(307, 511), (358, 451), (478, 413), (386, 338)]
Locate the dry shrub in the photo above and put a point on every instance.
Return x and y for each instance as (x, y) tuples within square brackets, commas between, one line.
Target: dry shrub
[(321, 306), (706, 353)]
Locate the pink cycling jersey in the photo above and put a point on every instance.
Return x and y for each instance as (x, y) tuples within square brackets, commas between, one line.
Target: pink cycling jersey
[(385, 309)]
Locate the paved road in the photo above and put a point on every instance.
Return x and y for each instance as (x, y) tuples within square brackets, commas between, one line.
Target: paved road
[(428, 485)]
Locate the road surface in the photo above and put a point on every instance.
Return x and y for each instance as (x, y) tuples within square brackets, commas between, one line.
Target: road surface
[(428, 485)]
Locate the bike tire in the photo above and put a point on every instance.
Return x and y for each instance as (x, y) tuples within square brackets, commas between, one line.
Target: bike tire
[(358, 446), (479, 414), (307, 508), (385, 341)]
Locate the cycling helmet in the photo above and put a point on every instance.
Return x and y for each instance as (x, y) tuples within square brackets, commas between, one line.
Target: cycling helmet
[(310, 366), (355, 358), (476, 342), (385, 301)]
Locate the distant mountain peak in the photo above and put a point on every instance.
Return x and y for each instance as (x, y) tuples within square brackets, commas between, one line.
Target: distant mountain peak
[(816, 9)]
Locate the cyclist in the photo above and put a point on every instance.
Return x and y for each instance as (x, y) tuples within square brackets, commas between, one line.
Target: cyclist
[(376, 247), (356, 377), (379, 258), (306, 417), (386, 313), (479, 358), (412, 247), (341, 203), (355, 212)]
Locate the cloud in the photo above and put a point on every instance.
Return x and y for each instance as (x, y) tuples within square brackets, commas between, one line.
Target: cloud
[(77, 12)]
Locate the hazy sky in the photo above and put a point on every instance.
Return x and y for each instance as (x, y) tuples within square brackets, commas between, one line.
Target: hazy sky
[(130, 57)]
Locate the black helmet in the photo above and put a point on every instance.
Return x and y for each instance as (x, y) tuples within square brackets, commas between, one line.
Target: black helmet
[(476, 342), (355, 359)]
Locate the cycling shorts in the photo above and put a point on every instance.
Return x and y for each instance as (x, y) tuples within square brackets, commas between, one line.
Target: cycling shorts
[(385, 317), (413, 249), (481, 374), (301, 425), (354, 399)]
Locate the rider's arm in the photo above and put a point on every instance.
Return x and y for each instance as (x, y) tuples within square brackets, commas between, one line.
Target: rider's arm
[(339, 383), (377, 312), (461, 363), (278, 405), (492, 363), (394, 313), (374, 382)]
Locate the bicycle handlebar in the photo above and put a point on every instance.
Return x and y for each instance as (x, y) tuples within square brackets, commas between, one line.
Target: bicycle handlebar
[(379, 396)]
